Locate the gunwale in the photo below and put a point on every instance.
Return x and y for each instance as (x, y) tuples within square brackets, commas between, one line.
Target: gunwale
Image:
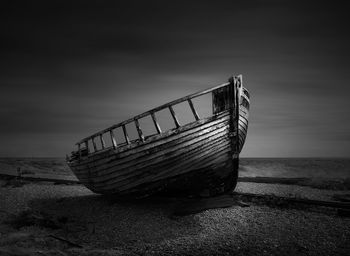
[(117, 171), (174, 141)]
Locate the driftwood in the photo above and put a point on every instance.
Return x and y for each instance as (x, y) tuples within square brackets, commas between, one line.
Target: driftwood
[(54, 179), (66, 241), (273, 180), (192, 206), (333, 204)]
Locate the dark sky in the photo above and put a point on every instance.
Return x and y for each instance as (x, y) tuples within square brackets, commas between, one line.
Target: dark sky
[(72, 68)]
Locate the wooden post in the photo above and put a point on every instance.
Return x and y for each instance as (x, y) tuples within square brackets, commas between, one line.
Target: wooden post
[(102, 141), (174, 117), (114, 142), (126, 135), (86, 145), (156, 123), (139, 131), (93, 143), (233, 133), (193, 109)]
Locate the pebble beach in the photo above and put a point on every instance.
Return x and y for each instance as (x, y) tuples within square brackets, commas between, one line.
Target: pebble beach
[(71, 220)]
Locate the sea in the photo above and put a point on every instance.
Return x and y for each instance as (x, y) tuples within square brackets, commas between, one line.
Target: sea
[(326, 168)]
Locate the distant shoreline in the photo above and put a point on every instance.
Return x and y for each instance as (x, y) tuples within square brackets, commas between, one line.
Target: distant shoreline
[(260, 158)]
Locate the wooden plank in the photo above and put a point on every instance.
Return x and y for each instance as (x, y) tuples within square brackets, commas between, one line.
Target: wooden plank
[(175, 143), (94, 144), (191, 96), (221, 101), (79, 150), (87, 146), (273, 180), (178, 158), (208, 161), (168, 169), (189, 152), (233, 117), (174, 117), (164, 169), (66, 241), (190, 147), (186, 152), (60, 179), (123, 165), (103, 144), (158, 138), (126, 135), (334, 204), (114, 142), (202, 161), (139, 131), (193, 109), (166, 137), (156, 123)]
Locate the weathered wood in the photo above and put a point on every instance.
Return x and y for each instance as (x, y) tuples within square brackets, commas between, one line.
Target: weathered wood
[(191, 96), (273, 180), (103, 144), (87, 146), (159, 146), (164, 170), (159, 139), (151, 141), (124, 164), (221, 101), (205, 157), (171, 168), (66, 241), (79, 150), (298, 200), (94, 144), (127, 140), (232, 97), (139, 131), (114, 142), (174, 117), (193, 109), (156, 123), (119, 166), (205, 145), (188, 163), (59, 179)]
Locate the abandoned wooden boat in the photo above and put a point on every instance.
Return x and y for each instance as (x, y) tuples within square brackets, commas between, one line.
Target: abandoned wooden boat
[(199, 156)]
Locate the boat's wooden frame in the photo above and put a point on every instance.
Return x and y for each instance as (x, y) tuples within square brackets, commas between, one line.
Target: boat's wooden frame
[(200, 155)]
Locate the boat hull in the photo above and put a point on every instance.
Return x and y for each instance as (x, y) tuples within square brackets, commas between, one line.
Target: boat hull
[(196, 157), (198, 152)]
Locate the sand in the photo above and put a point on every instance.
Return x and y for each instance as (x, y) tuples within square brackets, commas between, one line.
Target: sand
[(99, 225)]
